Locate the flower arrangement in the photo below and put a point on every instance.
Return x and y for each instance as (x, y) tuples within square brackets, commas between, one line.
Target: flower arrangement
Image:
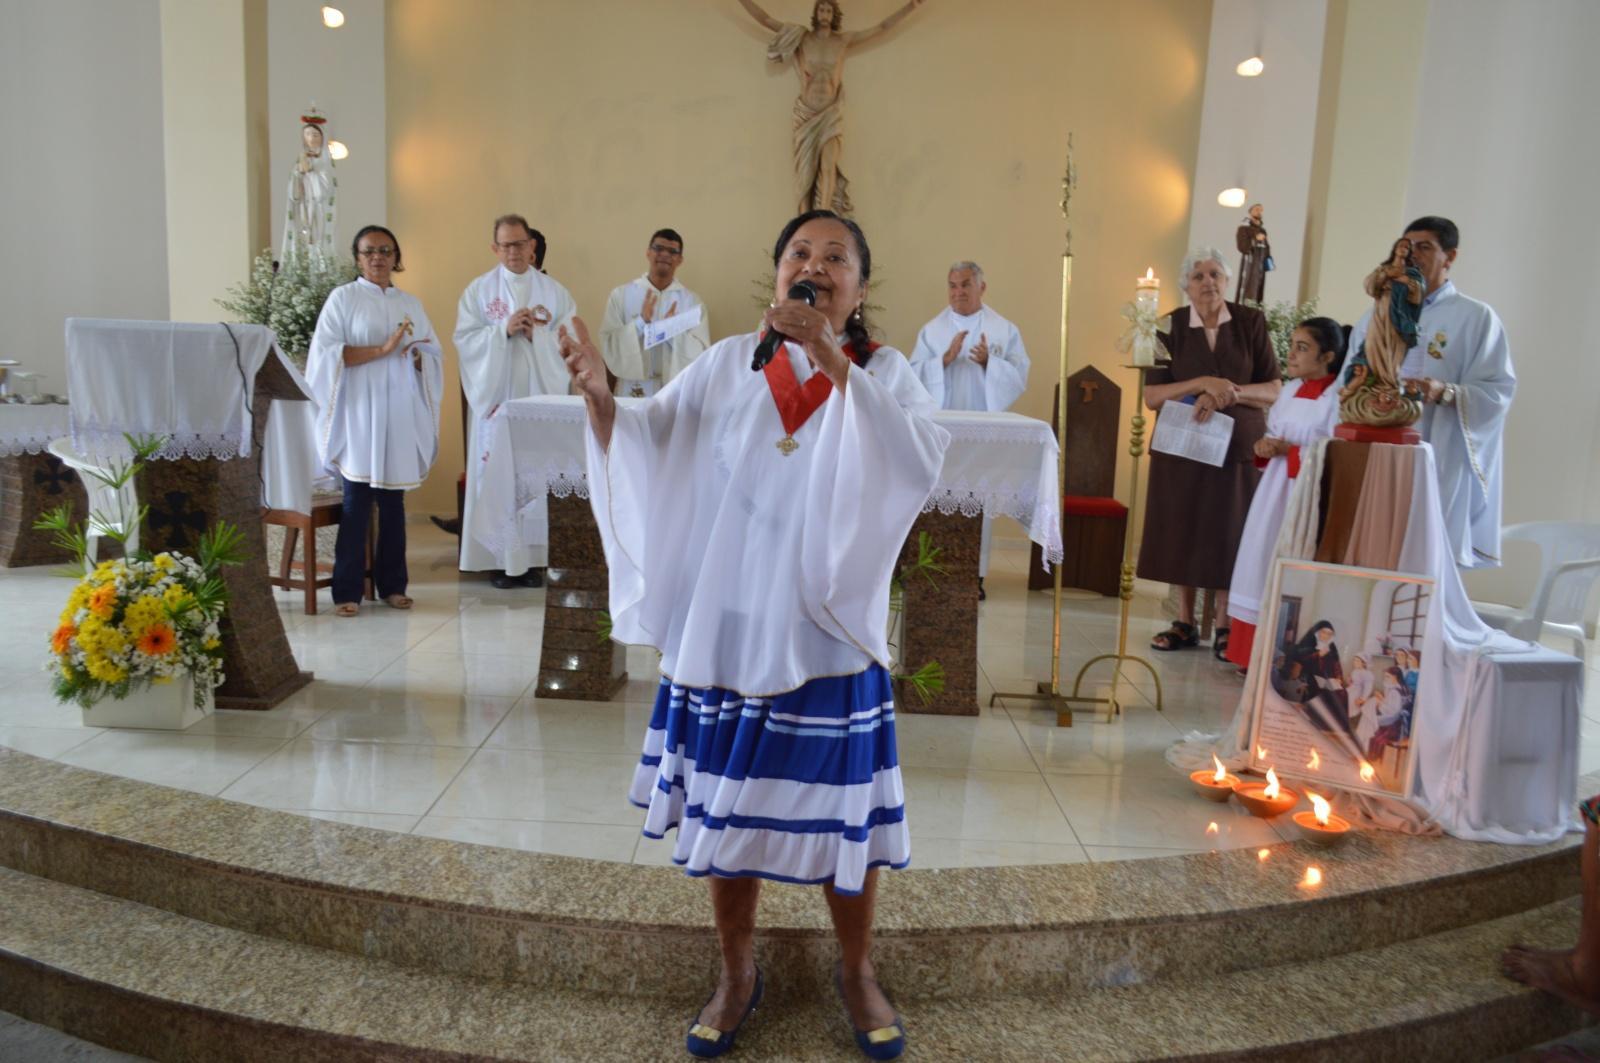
[(1282, 319), (143, 618), (286, 299)]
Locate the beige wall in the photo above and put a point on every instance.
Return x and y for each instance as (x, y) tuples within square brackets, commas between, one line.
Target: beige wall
[(605, 120), (83, 232), (214, 102)]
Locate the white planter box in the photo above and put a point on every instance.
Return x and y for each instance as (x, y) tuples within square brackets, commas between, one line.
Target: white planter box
[(159, 706)]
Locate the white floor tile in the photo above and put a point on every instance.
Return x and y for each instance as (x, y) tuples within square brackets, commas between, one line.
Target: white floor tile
[(205, 763), (983, 806), (531, 784), (48, 742), (351, 777), (377, 715), (1153, 812)]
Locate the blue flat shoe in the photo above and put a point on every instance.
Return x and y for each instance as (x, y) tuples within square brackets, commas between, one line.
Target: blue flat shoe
[(886, 1042), (707, 1042)]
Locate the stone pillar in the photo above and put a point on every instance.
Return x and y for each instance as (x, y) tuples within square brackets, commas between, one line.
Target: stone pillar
[(577, 658), (941, 615), (31, 484)]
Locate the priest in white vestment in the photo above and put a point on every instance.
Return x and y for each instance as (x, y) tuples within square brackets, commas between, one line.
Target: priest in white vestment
[(1461, 370), (654, 326), (376, 372), (971, 358), (506, 329)]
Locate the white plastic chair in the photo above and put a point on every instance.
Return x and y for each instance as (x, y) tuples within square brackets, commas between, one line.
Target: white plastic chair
[(110, 510), (1570, 564)]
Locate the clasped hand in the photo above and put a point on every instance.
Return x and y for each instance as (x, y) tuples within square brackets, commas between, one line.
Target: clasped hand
[(811, 329), (1215, 394), (521, 322)]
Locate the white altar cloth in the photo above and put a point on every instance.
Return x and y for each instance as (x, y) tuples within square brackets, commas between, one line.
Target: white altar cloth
[(999, 464), (1496, 725), (290, 467), (184, 381), (28, 428)]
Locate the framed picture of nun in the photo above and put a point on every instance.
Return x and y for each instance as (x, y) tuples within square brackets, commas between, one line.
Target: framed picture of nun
[(1336, 700)]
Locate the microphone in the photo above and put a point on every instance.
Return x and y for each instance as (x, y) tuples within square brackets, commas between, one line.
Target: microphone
[(772, 338)]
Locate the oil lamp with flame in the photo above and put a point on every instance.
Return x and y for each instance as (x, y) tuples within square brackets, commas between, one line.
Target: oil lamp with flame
[(1214, 785), (1266, 799), (1320, 825)]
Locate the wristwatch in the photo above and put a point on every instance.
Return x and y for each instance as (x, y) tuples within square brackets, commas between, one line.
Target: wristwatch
[(1448, 396)]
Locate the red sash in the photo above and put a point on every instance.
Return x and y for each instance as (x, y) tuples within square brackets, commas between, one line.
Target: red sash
[(796, 403), (1313, 389)]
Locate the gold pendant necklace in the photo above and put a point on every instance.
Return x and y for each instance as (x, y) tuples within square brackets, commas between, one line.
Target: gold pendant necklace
[(787, 446)]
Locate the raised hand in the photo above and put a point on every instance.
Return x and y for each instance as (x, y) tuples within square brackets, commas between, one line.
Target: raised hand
[(584, 363), (980, 352), (648, 314), (673, 309), (393, 341), (952, 352)]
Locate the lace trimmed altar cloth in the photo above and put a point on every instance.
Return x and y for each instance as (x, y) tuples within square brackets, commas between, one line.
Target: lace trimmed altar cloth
[(29, 428), (999, 464), (185, 381)]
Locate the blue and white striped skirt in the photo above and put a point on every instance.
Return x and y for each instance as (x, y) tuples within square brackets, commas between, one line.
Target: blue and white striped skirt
[(804, 787)]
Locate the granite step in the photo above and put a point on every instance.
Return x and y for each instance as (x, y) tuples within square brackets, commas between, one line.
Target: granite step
[(557, 922), (143, 980)]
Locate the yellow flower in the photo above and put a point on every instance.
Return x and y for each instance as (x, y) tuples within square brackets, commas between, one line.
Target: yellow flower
[(104, 669), (176, 599), (142, 613), (162, 561), (212, 644), (79, 596)]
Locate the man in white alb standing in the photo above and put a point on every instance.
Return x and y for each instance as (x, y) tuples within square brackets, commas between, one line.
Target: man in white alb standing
[(506, 327), (971, 358), (654, 326)]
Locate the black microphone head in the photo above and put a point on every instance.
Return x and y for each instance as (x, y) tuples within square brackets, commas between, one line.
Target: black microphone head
[(804, 290)]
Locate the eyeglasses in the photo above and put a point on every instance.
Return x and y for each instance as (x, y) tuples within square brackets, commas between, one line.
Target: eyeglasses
[(515, 245), (657, 249), (375, 252)]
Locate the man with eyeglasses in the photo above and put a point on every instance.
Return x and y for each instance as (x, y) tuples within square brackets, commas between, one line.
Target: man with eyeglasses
[(654, 326), (1461, 371), (506, 329)]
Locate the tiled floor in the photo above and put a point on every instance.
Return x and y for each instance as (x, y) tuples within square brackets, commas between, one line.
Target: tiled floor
[(424, 722)]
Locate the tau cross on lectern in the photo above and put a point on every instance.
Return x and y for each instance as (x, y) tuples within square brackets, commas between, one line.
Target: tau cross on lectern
[(1088, 388)]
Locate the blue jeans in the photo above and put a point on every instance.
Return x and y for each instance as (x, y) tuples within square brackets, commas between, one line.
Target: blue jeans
[(350, 550)]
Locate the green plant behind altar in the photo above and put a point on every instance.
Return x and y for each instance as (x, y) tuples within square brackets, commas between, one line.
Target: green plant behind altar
[(1282, 319), (286, 299)]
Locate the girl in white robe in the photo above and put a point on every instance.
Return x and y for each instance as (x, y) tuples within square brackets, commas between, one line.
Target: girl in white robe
[(376, 372), (1305, 411), (751, 523)]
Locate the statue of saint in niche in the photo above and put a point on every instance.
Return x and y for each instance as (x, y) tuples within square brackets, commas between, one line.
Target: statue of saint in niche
[(818, 54)]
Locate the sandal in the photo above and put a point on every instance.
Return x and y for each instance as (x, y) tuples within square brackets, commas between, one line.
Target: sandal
[(1179, 636), (346, 609), (708, 1042), (1219, 644), (398, 601)]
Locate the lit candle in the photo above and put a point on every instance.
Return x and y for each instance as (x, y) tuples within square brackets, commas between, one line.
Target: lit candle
[(1214, 785), (1320, 825), (1268, 799), (1146, 296)]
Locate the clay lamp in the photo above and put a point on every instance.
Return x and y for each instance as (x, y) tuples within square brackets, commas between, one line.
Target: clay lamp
[(1266, 799), (1214, 785), (1320, 826)]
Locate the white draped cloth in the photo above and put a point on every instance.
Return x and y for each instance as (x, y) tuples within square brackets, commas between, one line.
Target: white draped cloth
[(999, 464), (1300, 422), (495, 369), (642, 371), (1495, 727), (188, 382), (749, 568), (1460, 341), (30, 428), (378, 422)]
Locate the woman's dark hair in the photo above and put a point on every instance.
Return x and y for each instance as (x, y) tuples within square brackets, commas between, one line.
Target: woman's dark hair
[(368, 230), (1329, 336), (855, 327)]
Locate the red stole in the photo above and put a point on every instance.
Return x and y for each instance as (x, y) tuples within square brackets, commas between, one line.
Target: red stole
[(796, 402), (1313, 389)]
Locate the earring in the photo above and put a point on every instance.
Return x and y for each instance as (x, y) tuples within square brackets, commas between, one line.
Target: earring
[(856, 313)]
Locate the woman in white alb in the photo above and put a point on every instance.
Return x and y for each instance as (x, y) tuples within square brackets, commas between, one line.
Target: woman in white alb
[(376, 372), (751, 523)]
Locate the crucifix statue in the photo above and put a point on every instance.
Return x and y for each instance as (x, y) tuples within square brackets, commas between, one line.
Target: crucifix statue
[(818, 54)]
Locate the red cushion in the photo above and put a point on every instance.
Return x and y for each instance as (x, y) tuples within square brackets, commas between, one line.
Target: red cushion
[(1090, 506)]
